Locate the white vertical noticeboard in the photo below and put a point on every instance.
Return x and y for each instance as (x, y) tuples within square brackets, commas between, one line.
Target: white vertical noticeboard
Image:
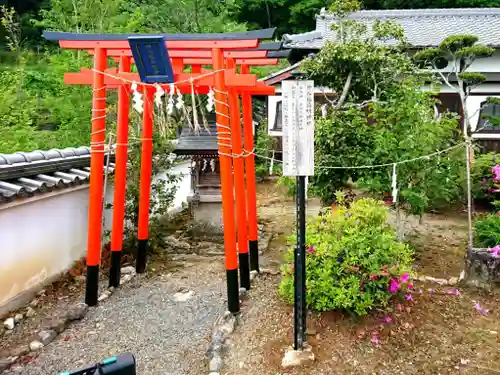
[(298, 128)]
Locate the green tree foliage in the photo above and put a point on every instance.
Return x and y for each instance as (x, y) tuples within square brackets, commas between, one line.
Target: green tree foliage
[(188, 16), (379, 116), (458, 53), (38, 110), (296, 16), (87, 16)]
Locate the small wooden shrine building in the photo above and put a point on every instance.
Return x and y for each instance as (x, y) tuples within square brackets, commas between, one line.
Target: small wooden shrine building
[(205, 199)]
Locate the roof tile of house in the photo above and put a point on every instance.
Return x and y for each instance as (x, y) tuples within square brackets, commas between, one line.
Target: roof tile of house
[(423, 27), (23, 174)]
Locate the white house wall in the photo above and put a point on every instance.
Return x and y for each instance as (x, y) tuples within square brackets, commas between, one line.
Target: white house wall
[(486, 65), (41, 238)]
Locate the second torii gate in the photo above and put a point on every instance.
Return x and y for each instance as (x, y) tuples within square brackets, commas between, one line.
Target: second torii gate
[(223, 52)]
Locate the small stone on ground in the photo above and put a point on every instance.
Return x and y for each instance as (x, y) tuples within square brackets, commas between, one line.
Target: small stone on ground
[(294, 358), (9, 323)]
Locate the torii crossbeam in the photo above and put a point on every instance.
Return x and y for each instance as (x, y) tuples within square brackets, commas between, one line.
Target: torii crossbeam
[(224, 53)]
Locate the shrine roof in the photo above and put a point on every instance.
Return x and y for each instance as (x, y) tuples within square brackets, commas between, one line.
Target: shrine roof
[(253, 34), (193, 142)]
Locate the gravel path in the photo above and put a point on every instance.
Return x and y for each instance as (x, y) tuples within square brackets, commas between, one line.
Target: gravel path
[(167, 336)]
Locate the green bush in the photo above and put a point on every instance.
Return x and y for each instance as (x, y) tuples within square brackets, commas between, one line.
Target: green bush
[(483, 183), (354, 261), (487, 231)]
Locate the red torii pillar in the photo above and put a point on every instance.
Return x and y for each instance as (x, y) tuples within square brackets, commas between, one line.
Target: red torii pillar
[(120, 177), (145, 180), (227, 187), (98, 138), (239, 184), (251, 181)]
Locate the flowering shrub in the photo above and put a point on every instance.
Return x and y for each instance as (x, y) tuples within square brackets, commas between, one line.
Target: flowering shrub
[(487, 231), (353, 262), (485, 178), (487, 228)]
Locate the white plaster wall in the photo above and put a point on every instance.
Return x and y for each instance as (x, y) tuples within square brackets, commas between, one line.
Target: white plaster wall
[(183, 186), (486, 65), (42, 237)]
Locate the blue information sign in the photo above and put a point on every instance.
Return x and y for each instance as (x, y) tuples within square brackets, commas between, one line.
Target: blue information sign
[(151, 58)]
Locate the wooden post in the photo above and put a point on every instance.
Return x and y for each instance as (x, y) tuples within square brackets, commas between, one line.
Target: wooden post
[(98, 138), (253, 233), (239, 184), (225, 160), (120, 177), (145, 180)]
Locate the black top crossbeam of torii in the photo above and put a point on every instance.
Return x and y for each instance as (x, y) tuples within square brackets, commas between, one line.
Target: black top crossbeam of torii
[(275, 49)]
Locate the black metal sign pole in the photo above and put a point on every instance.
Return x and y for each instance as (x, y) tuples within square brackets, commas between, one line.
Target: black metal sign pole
[(300, 312)]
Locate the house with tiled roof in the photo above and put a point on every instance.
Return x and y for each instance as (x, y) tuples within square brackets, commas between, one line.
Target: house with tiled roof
[(423, 28)]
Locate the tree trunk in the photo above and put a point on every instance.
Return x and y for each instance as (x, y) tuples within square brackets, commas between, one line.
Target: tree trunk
[(268, 15), (345, 91)]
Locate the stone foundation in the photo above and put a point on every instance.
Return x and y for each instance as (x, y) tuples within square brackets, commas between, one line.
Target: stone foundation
[(483, 268), (206, 216)]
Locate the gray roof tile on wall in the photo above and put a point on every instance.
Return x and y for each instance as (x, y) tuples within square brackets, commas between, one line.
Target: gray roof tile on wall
[(423, 27), (26, 174)]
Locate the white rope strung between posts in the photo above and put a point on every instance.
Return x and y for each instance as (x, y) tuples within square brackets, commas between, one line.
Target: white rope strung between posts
[(208, 74), (423, 157)]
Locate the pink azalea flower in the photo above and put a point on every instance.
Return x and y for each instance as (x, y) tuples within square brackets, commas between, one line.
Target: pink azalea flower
[(387, 320), (496, 250), (484, 182), (496, 172), (404, 278), (480, 309), (410, 286), (394, 286), (409, 297), (375, 340), (311, 250)]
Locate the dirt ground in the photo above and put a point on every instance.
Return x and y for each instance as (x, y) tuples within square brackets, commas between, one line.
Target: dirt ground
[(436, 333)]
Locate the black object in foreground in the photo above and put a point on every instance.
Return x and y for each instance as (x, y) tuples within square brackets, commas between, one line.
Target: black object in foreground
[(300, 312), (121, 365)]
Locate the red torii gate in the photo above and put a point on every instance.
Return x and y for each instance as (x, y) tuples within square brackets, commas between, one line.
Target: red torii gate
[(223, 52)]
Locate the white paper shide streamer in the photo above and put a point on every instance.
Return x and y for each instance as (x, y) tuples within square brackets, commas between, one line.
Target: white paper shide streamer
[(394, 184), (159, 95), (171, 101), (180, 102), (211, 100), (193, 104), (137, 99)]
